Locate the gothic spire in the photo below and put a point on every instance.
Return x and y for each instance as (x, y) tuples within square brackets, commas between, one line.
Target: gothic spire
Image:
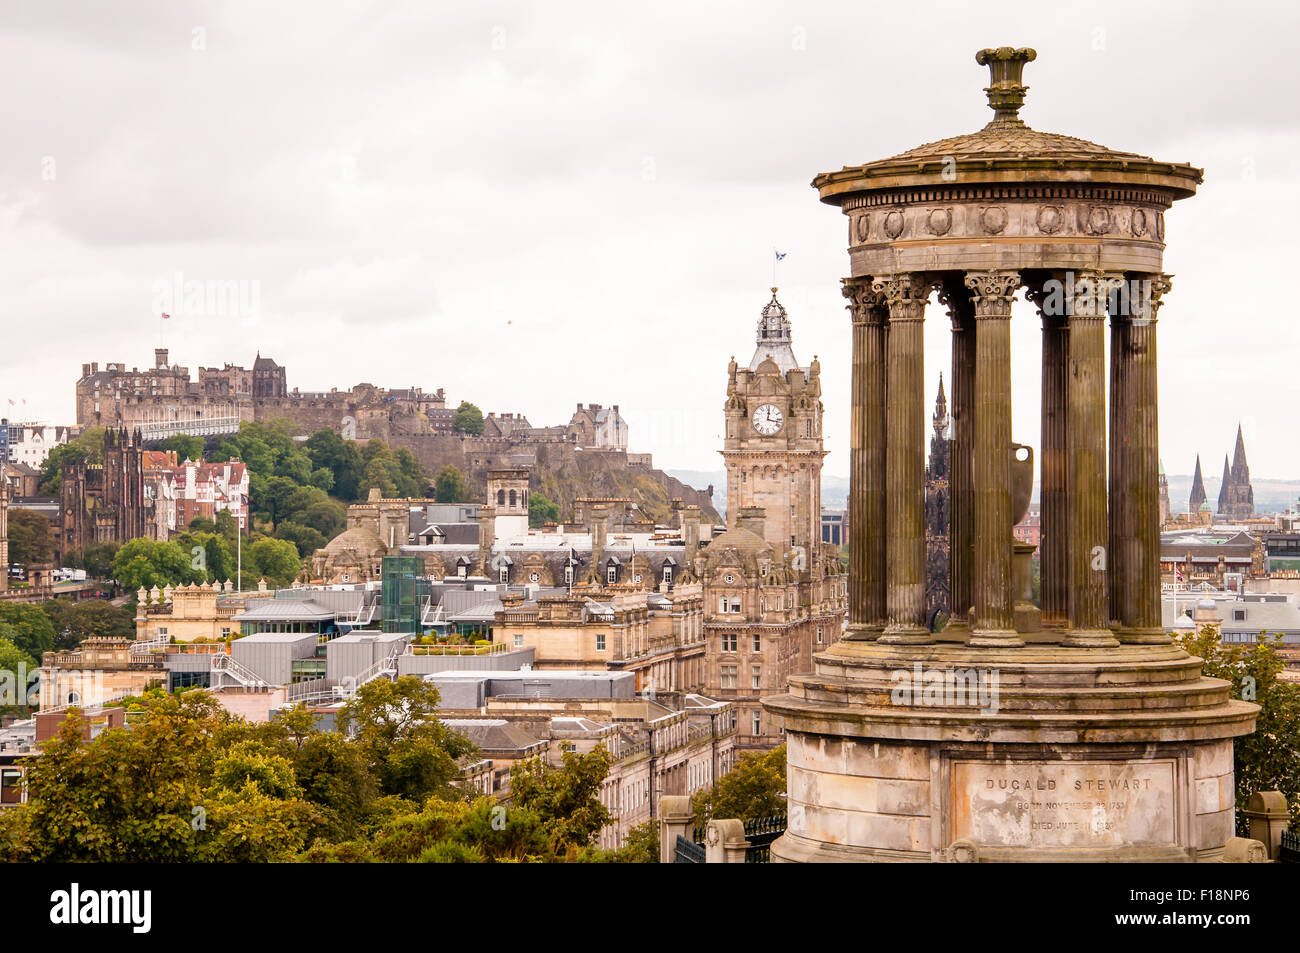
[(1239, 456), (1224, 486), (1197, 496)]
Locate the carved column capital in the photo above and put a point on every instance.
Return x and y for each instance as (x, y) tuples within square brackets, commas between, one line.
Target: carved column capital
[(1087, 293), (992, 292), (866, 305), (1152, 290), (906, 295)]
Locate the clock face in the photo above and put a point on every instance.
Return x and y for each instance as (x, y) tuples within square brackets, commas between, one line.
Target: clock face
[(768, 419), (534, 577)]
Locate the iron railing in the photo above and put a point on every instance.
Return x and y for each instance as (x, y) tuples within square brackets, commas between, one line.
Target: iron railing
[(1289, 851), (761, 832), (687, 852)]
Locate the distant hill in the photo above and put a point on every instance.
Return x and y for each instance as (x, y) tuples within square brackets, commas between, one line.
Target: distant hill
[(835, 489)]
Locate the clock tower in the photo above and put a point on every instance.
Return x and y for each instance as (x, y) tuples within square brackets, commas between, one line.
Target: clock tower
[(772, 597), (773, 448)]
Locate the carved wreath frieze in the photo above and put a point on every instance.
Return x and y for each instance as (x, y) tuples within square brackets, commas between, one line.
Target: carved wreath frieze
[(939, 221), (972, 220)]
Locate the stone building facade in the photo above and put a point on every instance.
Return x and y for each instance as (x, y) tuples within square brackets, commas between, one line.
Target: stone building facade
[(102, 503)]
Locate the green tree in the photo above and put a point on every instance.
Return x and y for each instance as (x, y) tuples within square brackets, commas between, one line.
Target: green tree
[(468, 419), (408, 750), (341, 457), (334, 777), (541, 510), (180, 785), (30, 539), (641, 846), (395, 472), (148, 563), (304, 538), (27, 627), (96, 559), (567, 798), (1268, 759), (74, 622), (227, 526), (16, 669), (187, 446), (275, 559), (752, 789), (450, 486), (88, 447)]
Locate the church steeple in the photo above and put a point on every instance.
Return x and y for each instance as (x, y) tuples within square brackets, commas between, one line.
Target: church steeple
[(1198, 489)]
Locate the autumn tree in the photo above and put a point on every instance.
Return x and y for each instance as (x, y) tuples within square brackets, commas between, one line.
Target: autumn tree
[(1268, 759), (567, 798), (754, 788)]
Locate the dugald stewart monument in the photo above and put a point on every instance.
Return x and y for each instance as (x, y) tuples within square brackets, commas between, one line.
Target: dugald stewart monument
[(1078, 731)]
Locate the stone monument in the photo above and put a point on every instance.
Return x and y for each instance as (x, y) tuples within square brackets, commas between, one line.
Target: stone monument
[(1078, 732)]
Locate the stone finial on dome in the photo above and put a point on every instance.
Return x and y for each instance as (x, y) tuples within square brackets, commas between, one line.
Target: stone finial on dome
[(1006, 92)]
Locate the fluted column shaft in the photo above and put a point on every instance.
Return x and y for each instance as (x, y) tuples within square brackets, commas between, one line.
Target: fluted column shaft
[(1120, 582), (1089, 608), (994, 622), (905, 459), (1139, 462), (961, 534), (867, 463), (1053, 542)]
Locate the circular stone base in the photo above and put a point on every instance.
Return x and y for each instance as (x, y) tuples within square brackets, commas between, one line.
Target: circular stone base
[(947, 752)]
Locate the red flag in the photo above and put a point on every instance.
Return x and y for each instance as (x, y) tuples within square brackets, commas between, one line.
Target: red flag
[(166, 315)]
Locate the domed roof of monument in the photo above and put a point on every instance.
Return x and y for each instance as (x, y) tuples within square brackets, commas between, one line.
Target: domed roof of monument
[(1007, 150)]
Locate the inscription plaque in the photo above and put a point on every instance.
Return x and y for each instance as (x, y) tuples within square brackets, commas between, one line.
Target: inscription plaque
[(1064, 803)]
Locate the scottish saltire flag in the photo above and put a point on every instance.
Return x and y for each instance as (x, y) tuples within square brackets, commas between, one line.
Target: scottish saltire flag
[(779, 254)]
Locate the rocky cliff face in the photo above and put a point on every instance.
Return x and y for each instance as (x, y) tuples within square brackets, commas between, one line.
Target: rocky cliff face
[(561, 471)]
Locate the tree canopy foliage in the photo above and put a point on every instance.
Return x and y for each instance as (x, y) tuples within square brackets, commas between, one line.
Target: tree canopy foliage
[(190, 782), (31, 541), (754, 789), (468, 419), (1266, 760), (88, 447)]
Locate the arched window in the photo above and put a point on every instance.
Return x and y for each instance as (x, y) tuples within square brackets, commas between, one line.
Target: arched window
[(513, 499), (501, 497)]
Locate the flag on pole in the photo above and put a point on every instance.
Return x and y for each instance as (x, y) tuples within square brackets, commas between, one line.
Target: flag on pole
[(779, 254), (1178, 574), (165, 316)]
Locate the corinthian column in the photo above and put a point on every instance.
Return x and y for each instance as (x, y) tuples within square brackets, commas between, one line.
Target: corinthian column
[(867, 463), (994, 623), (1139, 463), (961, 530), (1089, 557), (1053, 541), (905, 295)]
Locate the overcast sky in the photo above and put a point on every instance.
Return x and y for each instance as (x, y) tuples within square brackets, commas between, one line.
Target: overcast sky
[(533, 205)]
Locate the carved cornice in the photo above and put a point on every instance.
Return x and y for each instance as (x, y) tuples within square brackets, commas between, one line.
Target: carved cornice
[(992, 292), (906, 295)]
